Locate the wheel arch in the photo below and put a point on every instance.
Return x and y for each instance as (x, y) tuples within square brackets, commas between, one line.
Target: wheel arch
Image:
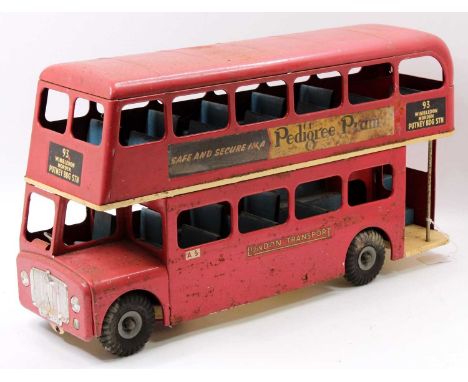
[(379, 230)]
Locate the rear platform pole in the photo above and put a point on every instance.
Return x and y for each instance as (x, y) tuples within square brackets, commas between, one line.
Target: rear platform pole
[(429, 190)]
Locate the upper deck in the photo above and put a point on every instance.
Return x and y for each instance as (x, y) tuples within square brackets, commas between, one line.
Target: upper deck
[(354, 113)]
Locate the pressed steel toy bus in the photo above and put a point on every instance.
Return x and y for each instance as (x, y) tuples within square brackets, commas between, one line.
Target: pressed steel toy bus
[(181, 183)]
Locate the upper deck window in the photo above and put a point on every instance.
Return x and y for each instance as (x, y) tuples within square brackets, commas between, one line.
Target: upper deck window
[(420, 74), (200, 113), (370, 83), (87, 121), (261, 102), (142, 122), (53, 113), (317, 92)]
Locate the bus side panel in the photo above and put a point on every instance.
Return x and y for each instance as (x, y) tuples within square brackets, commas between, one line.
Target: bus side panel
[(247, 267)]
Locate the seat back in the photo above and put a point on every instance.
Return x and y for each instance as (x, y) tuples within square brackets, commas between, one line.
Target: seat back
[(137, 138), (103, 225), (268, 104), (265, 205), (321, 97), (151, 226), (214, 114), (94, 135), (208, 218), (155, 124)]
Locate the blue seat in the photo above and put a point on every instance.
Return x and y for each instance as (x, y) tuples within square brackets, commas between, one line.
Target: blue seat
[(313, 98), (388, 182), (409, 216), (357, 98), (214, 114), (151, 226), (94, 135), (137, 138), (103, 225), (209, 218), (264, 107), (405, 90), (155, 124), (265, 205)]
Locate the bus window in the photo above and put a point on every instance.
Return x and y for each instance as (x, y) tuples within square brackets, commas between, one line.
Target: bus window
[(420, 74), (53, 113), (370, 184), (317, 92), (261, 102), (203, 224), (83, 224), (147, 225), (142, 122), (370, 83), (266, 209), (318, 197), (87, 121), (40, 220), (200, 113)]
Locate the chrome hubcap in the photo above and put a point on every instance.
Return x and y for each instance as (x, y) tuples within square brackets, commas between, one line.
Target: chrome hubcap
[(130, 325), (367, 258)]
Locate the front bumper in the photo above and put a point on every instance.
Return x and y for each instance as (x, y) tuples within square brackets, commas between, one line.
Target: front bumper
[(49, 290)]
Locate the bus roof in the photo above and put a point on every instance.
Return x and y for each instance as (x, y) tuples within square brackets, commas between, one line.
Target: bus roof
[(158, 72)]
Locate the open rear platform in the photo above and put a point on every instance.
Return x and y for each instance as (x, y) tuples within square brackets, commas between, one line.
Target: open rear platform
[(415, 240)]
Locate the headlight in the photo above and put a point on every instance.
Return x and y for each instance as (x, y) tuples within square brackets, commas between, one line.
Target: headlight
[(75, 304), (24, 278)]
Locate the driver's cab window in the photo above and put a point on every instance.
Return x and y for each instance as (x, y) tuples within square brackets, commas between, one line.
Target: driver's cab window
[(40, 220), (83, 224)]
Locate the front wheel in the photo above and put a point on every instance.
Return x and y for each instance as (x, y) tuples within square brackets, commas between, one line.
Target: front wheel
[(365, 257), (128, 325)]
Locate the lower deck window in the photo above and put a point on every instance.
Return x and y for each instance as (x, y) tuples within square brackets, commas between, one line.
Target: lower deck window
[(370, 184), (203, 224), (147, 225), (318, 197), (266, 209)]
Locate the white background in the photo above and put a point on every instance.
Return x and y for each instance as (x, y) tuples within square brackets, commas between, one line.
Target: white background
[(415, 314)]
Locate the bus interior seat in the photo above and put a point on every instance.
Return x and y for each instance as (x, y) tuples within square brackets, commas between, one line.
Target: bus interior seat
[(405, 90), (387, 182), (94, 135), (313, 98), (409, 215), (259, 211), (103, 225), (358, 98), (208, 218), (264, 107), (151, 226), (214, 114), (206, 224), (155, 124), (137, 138)]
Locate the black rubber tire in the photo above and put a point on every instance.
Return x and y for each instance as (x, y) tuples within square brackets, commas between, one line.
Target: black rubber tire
[(137, 306), (370, 243)]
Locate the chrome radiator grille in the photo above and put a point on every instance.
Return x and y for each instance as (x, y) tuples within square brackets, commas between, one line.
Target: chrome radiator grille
[(50, 296)]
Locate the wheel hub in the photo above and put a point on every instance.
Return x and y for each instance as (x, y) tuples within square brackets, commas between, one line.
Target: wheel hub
[(367, 258), (130, 324)]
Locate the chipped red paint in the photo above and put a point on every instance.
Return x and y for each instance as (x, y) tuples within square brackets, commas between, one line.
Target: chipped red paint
[(193, 282)]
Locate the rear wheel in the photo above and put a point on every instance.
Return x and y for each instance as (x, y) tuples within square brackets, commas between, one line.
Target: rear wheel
[(365, 257), (128, 325)]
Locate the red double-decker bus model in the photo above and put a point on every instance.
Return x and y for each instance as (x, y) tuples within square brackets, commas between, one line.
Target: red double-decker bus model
[(181, 183)]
